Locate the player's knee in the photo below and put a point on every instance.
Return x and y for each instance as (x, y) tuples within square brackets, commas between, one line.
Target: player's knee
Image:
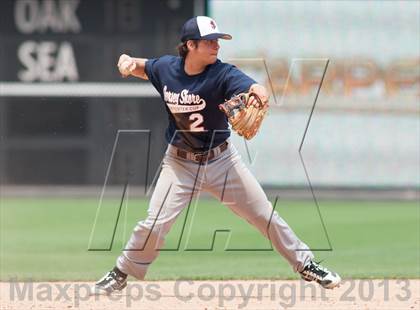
[(260, 219)]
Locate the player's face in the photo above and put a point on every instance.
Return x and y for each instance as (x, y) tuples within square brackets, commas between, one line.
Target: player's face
[(207, 50)]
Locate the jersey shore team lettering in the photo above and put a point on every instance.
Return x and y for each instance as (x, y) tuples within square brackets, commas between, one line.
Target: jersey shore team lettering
[(183, 102)]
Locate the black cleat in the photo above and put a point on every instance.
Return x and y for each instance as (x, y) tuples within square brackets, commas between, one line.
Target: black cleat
[(113, 281), (315, 272)]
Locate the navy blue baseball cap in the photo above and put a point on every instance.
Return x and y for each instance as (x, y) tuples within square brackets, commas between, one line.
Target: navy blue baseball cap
[(202, 28)]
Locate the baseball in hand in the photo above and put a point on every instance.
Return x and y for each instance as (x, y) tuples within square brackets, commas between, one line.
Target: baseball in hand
[(126, 65)]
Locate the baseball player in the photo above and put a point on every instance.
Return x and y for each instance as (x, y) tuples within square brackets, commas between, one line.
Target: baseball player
[(201, 157)]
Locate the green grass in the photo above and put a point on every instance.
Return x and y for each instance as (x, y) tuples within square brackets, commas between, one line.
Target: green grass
[(47, 239)]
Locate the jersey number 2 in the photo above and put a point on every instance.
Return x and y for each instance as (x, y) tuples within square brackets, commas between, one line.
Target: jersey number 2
[(197, 119)]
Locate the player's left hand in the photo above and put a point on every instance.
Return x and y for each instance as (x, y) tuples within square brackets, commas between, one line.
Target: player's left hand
[(245, 113), (261, 92)]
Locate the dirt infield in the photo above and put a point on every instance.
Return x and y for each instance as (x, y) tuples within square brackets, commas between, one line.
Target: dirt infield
[(209, 295)]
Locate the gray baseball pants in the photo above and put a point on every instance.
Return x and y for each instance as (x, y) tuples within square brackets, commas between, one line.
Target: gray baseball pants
[(239, 190)]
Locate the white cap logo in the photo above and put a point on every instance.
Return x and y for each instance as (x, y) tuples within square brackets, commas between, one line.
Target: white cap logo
[(212, 24)]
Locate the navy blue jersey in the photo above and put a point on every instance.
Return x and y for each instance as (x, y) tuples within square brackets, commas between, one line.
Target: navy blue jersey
[(195, 121)]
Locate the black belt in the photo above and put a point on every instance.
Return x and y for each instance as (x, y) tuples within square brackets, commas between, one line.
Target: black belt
[(202, 156)]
